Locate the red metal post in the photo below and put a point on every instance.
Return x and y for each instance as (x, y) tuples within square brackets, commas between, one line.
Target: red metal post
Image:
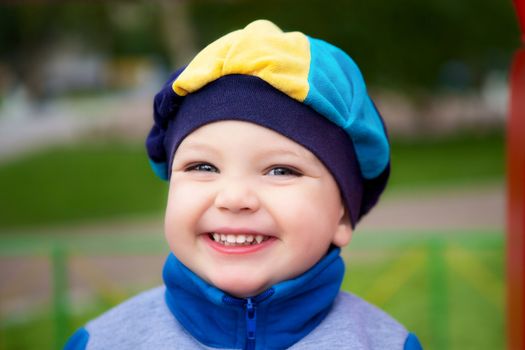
[(516, 195), (520, 9)]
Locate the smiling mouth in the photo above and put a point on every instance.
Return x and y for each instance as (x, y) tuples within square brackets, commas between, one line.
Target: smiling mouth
[(237, 240)]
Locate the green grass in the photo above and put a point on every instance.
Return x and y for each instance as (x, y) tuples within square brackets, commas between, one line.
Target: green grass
[(92, 180), (79, 182), (38, 330), (29, 333), (451, 300), (457, 160)]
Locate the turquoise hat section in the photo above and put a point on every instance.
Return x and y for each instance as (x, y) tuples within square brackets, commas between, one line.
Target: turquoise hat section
[(337, 90)]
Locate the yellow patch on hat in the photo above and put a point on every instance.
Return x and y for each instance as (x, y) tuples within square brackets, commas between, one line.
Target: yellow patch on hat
[(260, 49)]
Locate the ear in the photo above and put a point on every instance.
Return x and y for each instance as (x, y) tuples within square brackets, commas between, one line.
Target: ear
[(343, 233)]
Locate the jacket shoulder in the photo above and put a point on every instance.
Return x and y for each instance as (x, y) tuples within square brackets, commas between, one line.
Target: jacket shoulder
[(142, 322), (355, 324)]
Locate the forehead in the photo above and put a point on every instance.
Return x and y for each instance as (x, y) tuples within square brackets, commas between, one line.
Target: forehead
[(241, 137)]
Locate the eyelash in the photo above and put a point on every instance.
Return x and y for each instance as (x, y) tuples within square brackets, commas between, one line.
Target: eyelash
[(201, 167), (207, 167), (289, 171)]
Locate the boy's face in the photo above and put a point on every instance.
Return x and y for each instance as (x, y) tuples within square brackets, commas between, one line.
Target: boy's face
[(234, 181)]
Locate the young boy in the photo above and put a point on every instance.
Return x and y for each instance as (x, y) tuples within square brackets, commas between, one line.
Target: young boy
[(274, 151)]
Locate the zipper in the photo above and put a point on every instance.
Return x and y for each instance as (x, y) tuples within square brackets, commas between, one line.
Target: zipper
[(250, 311), (251, 324)]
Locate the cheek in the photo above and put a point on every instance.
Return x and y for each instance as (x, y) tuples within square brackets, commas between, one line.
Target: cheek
[(311, 213), (186, 204)]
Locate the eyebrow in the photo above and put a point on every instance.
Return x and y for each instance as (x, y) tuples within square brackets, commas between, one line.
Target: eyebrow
[(280, 152), (271, 152), (197, 146)]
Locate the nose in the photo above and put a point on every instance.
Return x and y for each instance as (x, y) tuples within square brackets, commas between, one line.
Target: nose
[(237, 196)]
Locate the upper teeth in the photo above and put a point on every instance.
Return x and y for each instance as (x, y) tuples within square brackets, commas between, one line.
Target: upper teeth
[(231, 239)]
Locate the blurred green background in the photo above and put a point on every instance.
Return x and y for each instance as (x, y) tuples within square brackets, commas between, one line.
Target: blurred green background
[(81, 212)]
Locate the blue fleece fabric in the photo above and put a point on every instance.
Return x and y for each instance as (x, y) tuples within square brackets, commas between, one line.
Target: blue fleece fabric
[(338, 92), (78, 341), (282, 318), (412, 343)]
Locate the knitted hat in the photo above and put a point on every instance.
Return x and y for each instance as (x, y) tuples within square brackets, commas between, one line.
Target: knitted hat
[(303, 88)]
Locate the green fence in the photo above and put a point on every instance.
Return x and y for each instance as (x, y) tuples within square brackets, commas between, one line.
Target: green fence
[(447, 287)]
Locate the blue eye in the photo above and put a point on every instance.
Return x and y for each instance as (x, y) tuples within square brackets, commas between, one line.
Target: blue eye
[(283, 171), (204, 167)]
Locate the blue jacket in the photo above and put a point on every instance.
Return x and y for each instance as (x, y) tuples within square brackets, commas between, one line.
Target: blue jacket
[(307, 312)]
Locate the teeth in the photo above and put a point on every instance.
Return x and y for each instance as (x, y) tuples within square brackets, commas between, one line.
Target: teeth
[(239, 240)]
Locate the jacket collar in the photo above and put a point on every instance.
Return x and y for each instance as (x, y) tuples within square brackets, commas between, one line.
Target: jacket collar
[(275, 319)]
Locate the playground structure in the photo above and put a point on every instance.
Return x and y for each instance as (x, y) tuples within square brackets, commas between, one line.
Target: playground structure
[(442, 266), (516, 194)]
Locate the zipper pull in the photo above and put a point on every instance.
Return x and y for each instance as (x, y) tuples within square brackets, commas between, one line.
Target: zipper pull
[(251, 324)]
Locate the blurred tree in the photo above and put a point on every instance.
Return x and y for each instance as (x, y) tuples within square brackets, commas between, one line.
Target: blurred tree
[(178, 31), (31, 31), (403, 44)]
